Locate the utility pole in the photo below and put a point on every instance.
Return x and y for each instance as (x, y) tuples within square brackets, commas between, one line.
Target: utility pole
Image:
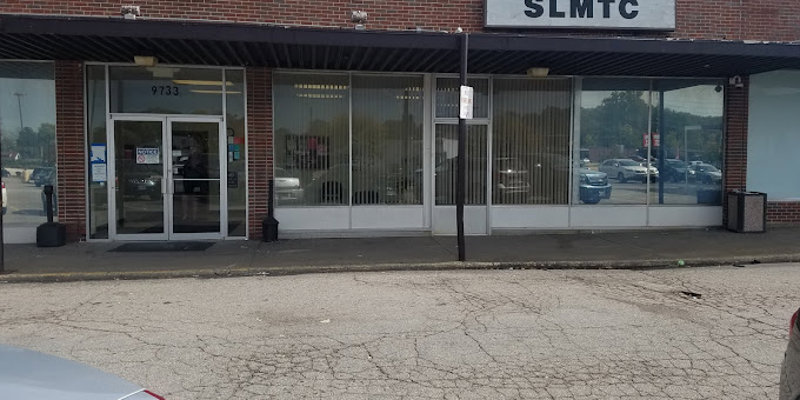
[(2, 239)]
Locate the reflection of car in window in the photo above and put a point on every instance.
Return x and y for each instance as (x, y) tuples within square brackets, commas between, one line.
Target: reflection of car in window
[(593, 186), (625, 169), (510, 178), (288, 188), (371, 185), (676, 171), (706, 173)]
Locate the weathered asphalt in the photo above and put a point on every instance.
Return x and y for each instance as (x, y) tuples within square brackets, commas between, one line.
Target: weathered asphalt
[(666, 334), (574, 250)]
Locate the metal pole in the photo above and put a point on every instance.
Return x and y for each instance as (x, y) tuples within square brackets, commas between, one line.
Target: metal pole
[(461, 177), (2, 239), (19, 105), (661, 152)]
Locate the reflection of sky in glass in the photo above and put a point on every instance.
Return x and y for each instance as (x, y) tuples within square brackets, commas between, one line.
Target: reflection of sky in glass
[(701, 100), (37, 103)]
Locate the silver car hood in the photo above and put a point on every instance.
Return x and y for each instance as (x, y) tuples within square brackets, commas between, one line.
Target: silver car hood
[(30, 375)]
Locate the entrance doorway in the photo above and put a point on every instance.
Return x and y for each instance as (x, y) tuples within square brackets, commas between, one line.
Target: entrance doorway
[(167, 178)]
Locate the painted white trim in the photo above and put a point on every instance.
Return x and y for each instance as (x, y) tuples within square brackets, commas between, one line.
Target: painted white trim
[(530, 217)]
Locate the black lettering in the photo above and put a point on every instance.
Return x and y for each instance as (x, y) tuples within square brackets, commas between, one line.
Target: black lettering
[(536, 10), (554, 13), (623, 9), (581, 9), (606, 7)]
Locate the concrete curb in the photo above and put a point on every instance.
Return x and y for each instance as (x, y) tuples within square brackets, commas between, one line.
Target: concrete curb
[(210, 273)]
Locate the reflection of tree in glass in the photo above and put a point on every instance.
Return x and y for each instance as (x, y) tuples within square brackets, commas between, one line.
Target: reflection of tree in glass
[(620, 119)]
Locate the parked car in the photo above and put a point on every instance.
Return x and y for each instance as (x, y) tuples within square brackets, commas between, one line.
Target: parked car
[(593, 186), (706, 173), (790, 369), (288, 189), (625, 169), (31, 375)]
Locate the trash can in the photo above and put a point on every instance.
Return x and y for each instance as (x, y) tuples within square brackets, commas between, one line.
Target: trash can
[(747, 211)]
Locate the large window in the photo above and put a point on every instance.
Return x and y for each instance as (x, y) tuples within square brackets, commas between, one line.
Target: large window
[(531, 141), (639, 136), (28, 134), (320, 118)]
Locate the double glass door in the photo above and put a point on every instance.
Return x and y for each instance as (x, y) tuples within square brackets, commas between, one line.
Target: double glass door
[(166, 178)]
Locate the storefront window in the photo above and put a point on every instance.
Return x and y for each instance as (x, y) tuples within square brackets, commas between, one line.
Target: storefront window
[(387, 140), (237, 160), (690, 143), (166, 90), (531, 141), (312, 139), (28, 134), (98, 151), (613, 117), (678, 163), (313, 124)]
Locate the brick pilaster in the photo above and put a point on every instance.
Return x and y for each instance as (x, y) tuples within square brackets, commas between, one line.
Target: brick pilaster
[(259, 145), (736, 120), (71, 148)]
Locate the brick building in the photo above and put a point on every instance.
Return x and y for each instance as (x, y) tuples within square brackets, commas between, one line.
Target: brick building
[(166, 120)]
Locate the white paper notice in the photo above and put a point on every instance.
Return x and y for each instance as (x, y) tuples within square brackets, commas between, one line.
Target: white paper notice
[(99, 172)]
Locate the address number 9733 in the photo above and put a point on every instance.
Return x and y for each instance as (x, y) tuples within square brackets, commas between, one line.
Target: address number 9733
[(164, 90)]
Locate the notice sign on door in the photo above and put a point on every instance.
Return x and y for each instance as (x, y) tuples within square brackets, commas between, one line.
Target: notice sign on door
[(148, 155)]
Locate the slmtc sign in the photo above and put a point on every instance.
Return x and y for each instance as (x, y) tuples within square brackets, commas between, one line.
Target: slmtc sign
[(591, 14)]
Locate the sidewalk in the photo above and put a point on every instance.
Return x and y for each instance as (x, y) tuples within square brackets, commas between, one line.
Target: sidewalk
[(629, 249)]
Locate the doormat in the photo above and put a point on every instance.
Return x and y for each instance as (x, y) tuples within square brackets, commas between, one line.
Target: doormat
[(162, 246)]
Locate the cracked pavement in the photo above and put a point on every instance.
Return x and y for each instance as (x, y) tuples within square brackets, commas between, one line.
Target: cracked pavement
[(502, 334)]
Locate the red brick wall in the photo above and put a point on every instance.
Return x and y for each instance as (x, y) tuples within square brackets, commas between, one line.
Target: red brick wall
[(259, 145), (735, 168), (71, 148), (775, 20), (783, 212)]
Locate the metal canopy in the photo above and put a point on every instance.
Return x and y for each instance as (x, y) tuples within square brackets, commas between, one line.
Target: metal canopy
[(239, 44)]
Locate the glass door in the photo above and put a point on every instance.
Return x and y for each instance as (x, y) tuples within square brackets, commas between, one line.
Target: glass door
[(476, 189), (138, 187), (195, 170)]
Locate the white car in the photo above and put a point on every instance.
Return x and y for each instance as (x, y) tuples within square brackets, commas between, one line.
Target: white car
[(30, 375), (625, 169)]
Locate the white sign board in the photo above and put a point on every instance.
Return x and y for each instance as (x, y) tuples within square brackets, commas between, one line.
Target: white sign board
[(582, 14), (148, 155), (99, 172), (465, 108)]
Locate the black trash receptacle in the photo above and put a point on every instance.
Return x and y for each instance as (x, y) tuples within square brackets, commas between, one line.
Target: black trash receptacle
[(269, 229), (747, 211)]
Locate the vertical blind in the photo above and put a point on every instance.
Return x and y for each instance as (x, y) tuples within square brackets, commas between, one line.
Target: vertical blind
[(447, 162), (312, 139), (531, 141), (387, 140)]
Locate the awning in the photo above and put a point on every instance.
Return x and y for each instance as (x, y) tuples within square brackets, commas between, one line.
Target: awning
[(240, 44)]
